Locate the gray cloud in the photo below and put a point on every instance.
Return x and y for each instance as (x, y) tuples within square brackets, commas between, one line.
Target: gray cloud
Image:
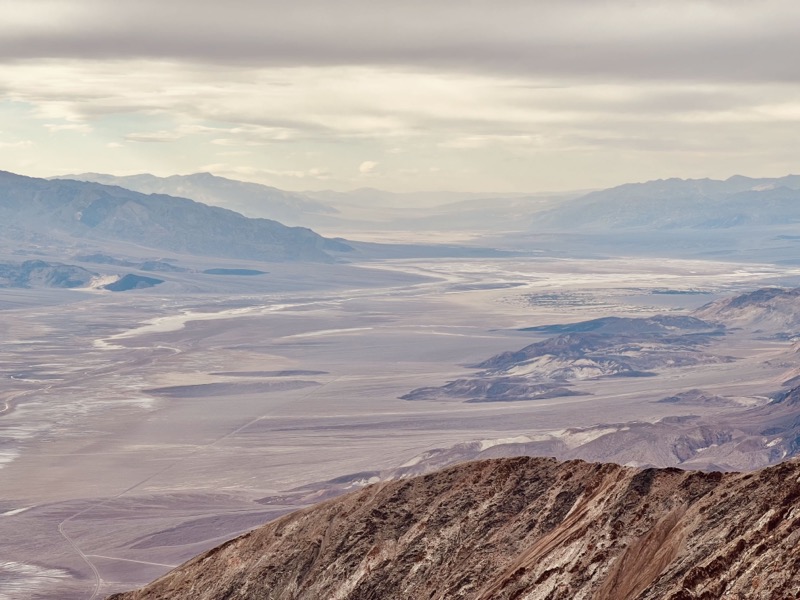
[(725, 40), (496, 94)]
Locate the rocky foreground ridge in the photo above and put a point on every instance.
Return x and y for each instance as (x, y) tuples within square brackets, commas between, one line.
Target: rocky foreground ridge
[(520, 528)]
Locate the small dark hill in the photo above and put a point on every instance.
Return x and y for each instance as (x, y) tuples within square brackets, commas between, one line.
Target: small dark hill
[(37, 273), (659, 324), (245, 272), (132, 282)]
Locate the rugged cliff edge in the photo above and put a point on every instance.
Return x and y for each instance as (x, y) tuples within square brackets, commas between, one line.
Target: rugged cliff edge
[(520, 528)]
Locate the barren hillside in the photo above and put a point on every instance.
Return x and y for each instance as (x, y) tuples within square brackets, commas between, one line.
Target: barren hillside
[(521, 528)]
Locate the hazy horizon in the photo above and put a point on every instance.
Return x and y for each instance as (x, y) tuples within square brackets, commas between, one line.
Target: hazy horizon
[(507, 96), (368, 188)]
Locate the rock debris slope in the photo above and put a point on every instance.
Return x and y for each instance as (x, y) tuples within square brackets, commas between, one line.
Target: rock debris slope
[(521, 528)]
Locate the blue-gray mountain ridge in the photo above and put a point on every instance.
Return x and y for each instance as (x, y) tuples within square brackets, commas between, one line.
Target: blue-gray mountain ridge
[(32, 208)]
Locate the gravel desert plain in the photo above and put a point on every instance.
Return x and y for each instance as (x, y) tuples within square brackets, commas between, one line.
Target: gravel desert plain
[(141, 429)]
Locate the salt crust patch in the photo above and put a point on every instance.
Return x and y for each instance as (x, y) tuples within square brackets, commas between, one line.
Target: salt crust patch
[(574, 438), (22, 580), (7, 456), (324, 332), (97, 283), (16, 511), (520, 439), (178, 322)]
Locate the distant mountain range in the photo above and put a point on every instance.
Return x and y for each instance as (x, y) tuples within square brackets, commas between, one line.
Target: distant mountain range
[(250, 199), (668, 204), (363, 209), (32, 208), (662, 205)]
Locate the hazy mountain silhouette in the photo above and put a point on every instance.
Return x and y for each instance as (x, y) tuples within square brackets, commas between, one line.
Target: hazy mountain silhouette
[(250, 199), (667, 204), (107, 213)]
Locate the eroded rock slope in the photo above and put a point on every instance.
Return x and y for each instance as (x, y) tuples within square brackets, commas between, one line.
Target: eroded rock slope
[(521, 528)]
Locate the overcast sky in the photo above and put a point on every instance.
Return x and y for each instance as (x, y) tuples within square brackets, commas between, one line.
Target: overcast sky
[(467, 95)]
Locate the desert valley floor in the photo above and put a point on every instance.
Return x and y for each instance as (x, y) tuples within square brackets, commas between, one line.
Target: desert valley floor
[(139, 429)]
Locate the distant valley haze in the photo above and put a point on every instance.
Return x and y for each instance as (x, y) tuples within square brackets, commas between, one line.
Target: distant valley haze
[(177, 373)]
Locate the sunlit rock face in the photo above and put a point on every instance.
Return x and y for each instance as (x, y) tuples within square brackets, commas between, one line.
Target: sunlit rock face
[(521, 528)]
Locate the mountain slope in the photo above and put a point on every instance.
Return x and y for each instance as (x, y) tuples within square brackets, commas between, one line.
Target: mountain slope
[(363, 209), (520, 528), (668, 204), (251, 199), (30, 206), (768, 310)]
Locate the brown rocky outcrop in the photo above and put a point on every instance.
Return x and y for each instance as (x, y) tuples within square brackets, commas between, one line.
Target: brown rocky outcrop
[(520, 528)]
